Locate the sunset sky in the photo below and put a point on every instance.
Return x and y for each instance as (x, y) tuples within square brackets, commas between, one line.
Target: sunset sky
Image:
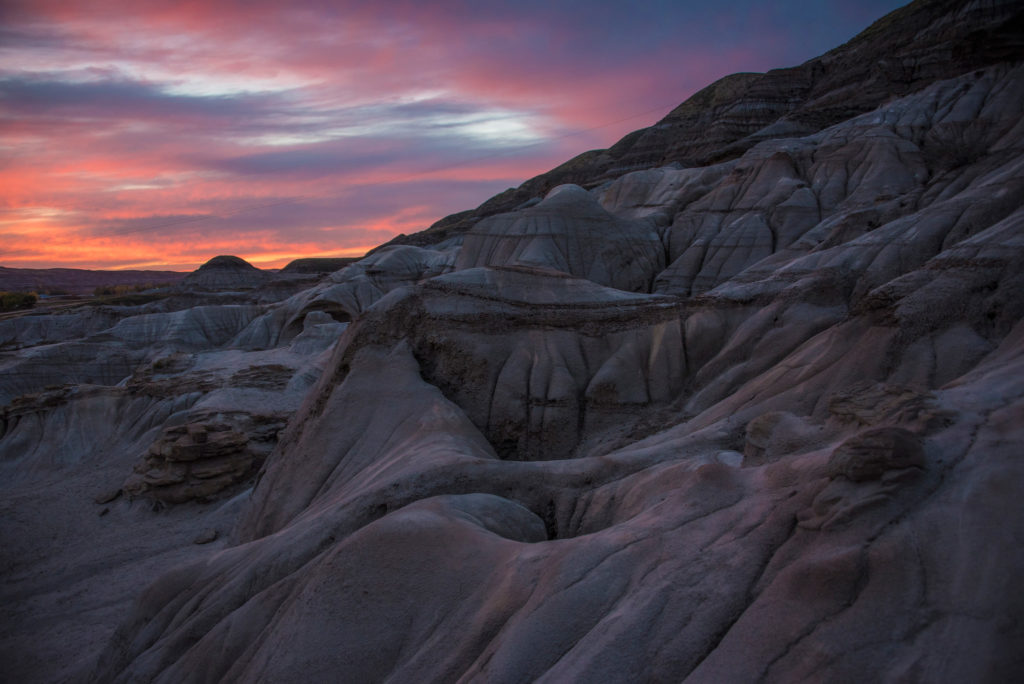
[(159, 134)]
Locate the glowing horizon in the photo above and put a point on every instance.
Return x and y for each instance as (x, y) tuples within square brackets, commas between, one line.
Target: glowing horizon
[(161, 135)]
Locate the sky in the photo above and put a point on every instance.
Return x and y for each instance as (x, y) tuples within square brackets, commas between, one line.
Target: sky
[(156, 135)]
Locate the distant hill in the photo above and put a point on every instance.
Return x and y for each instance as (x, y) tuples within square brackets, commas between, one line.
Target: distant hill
[(318, 264), (226, 272), (76, 280)]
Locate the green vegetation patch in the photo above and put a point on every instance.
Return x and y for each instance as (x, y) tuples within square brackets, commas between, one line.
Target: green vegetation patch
[(15, 301)]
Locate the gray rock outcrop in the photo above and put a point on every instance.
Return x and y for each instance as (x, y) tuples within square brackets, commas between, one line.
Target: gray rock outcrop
[(569, 231), (776, 442), (203, 458), (757, 468), (225, 273), (902, 53)]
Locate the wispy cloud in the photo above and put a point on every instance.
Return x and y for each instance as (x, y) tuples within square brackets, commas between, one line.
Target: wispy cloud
[(162, 132)]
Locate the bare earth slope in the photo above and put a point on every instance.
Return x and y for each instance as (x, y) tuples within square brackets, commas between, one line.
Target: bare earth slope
[(754, 419)]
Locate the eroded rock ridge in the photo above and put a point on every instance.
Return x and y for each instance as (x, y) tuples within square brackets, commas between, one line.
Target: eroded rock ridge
[(750, 418)]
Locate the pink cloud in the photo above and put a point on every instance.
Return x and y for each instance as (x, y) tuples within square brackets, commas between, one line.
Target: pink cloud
[(309, 127)]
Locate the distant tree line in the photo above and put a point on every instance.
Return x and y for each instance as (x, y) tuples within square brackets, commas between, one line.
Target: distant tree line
[(107, 290), (13, 301)]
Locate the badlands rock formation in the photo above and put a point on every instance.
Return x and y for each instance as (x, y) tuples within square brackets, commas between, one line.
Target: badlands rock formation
[(740, 419), (318, 265), (225, 273), (923, 42)]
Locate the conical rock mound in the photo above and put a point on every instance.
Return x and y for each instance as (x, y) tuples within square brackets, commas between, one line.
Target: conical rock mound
[(225, 272)]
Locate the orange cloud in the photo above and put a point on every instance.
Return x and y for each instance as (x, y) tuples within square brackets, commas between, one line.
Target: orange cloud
[(164, 132)]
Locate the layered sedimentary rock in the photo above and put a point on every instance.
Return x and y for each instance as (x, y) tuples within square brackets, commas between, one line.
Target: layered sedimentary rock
[(78, 539), (318, 265), (779, 444), (755, 469), (205, 457), (569, 231), (350, 291), (225, 273), (919, 44)]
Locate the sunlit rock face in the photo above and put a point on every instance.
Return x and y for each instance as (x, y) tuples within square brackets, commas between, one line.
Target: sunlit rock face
[(753, 419)]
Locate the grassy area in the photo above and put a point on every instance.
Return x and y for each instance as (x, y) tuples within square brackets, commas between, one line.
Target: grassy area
[(130, 298), (121, 290)]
